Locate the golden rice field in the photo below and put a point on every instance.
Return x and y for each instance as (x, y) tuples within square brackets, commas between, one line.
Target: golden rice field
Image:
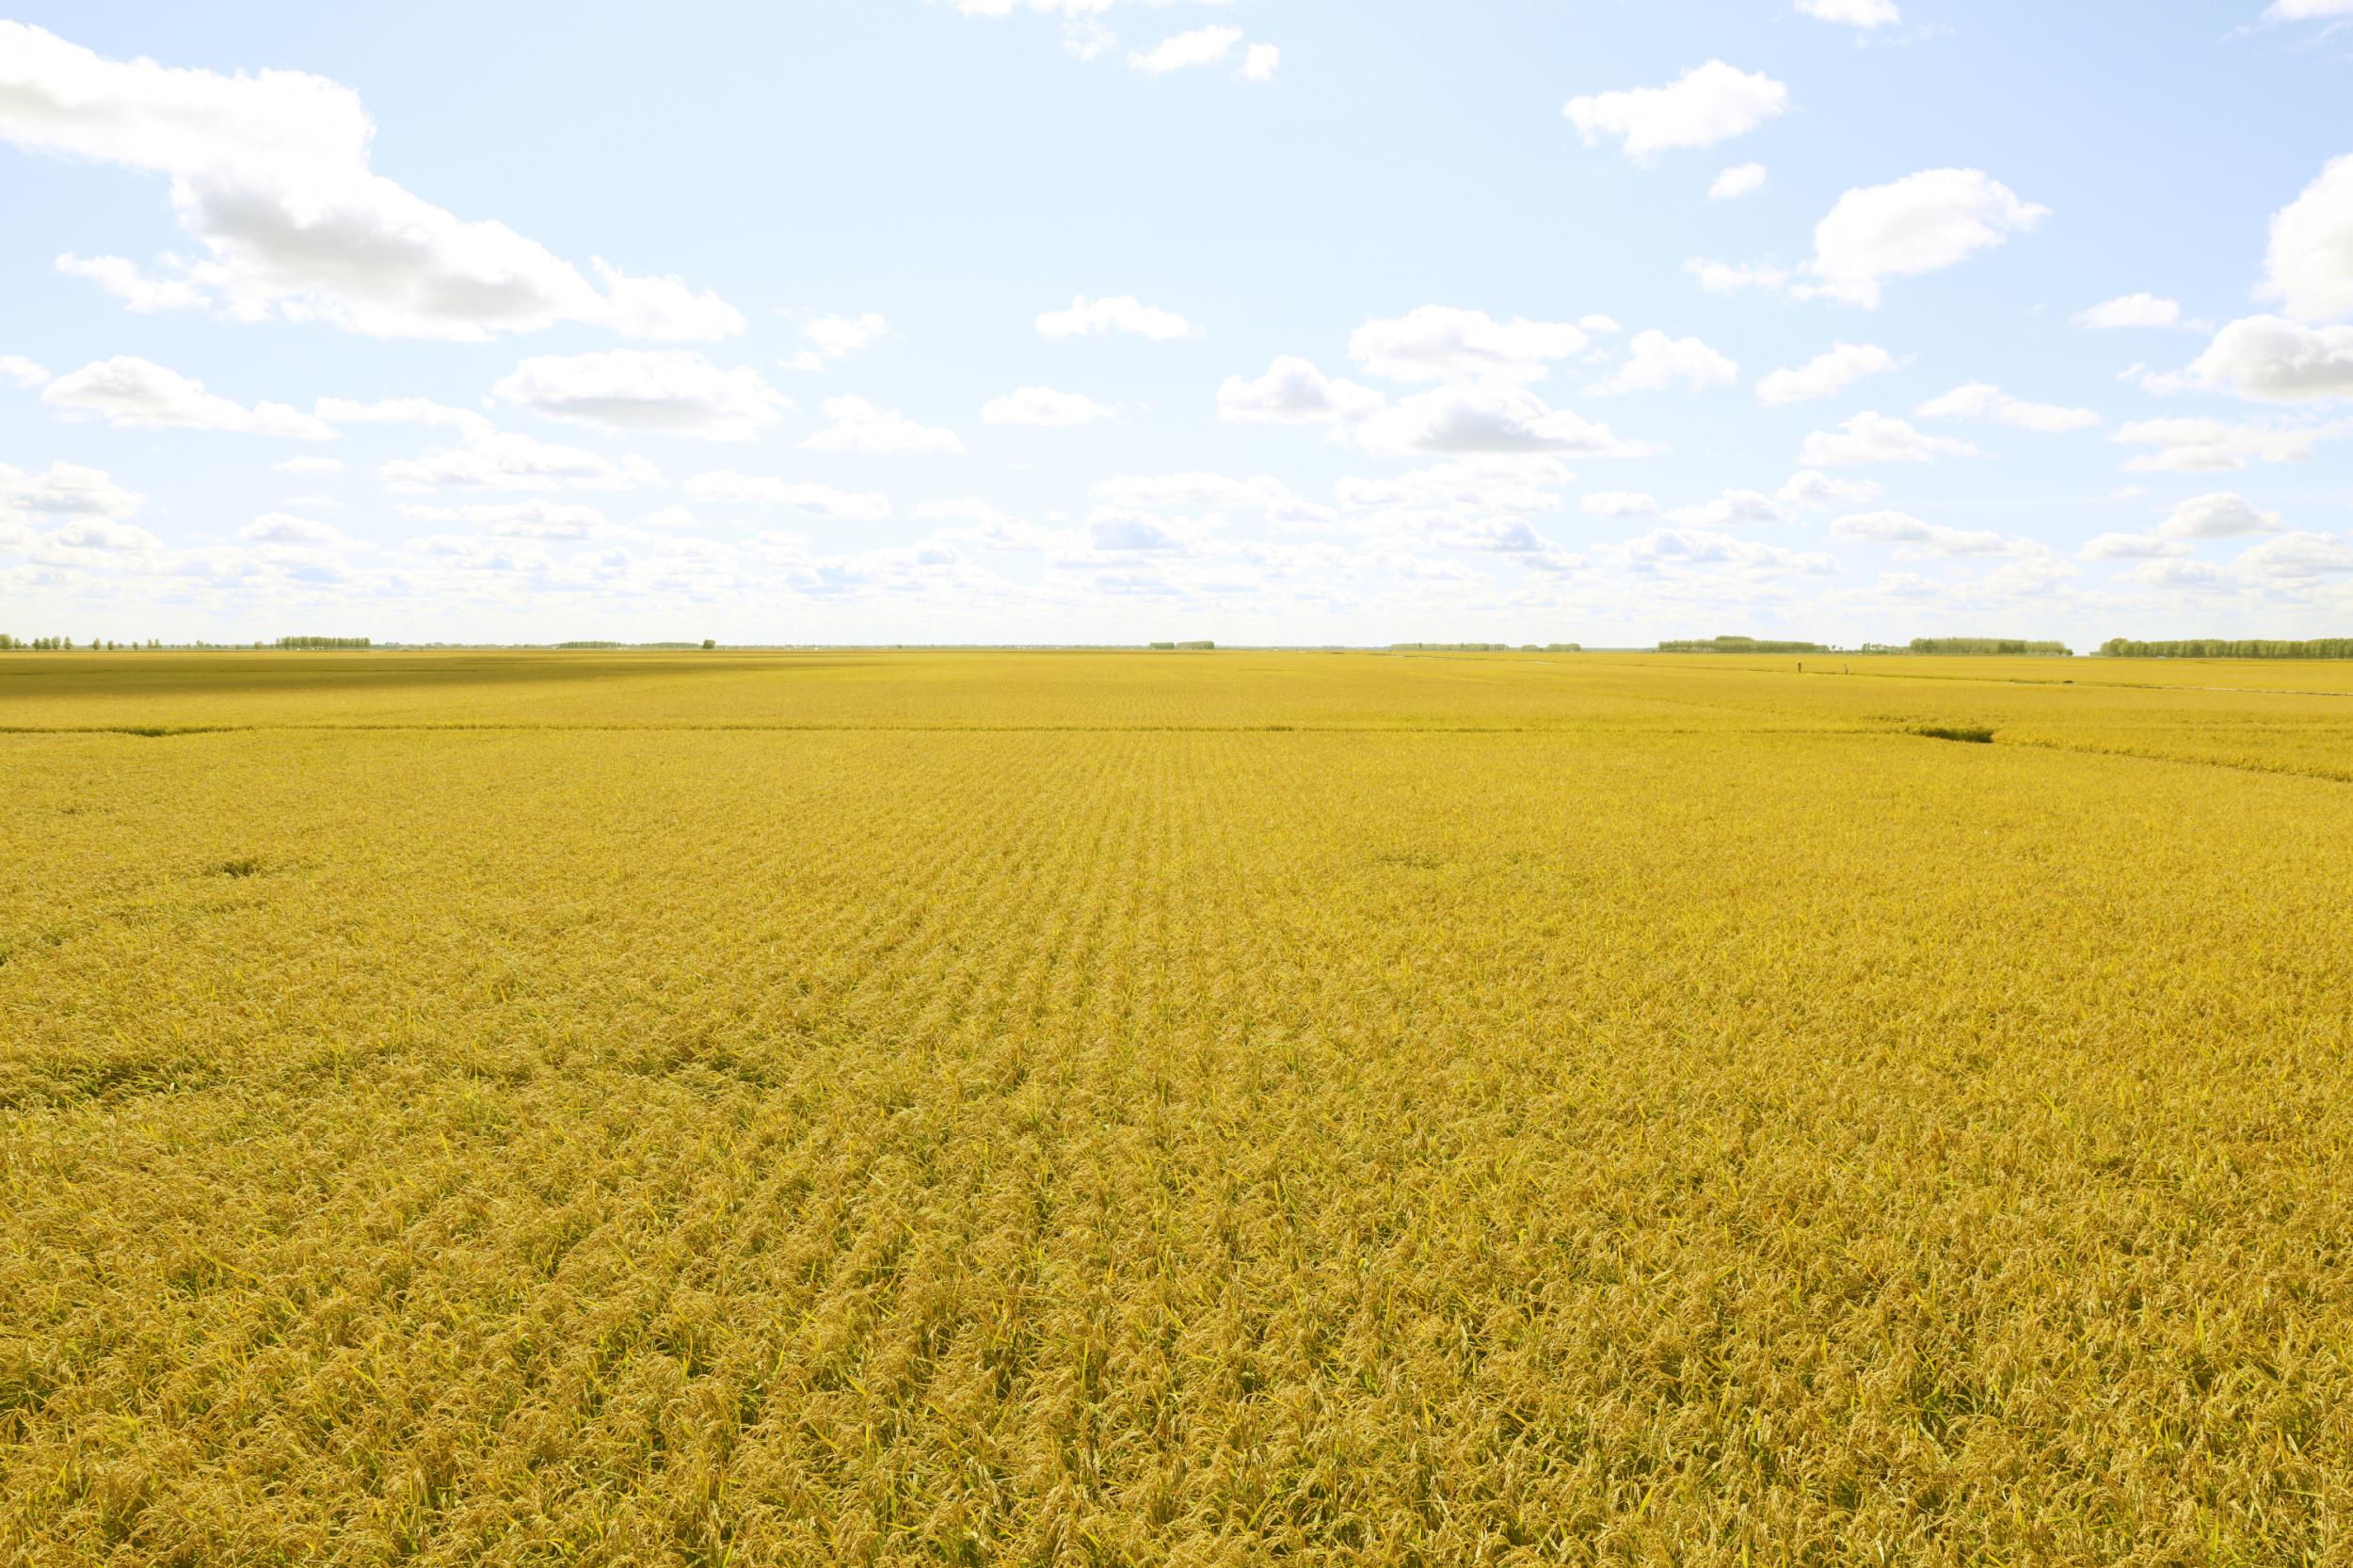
[(1121, 1108)]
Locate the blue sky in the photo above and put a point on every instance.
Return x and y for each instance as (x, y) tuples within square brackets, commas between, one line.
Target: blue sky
[(1605, 321)]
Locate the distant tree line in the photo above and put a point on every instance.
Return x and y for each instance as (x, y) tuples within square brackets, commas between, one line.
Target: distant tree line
[(323, 645), (67, 645), (2216, 648), (1739, 645), (1979, 647), (1486, 647), (1183, 648)]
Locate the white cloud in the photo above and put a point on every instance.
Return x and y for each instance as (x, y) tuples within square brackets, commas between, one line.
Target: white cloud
[(1707, 105), (1813, 489), (270, 175), (487, 460), (2223, 515), (1484, 417), (666, 309), (1977, 400), (2298, 555), (1658, 362), (860, 427), (139, 289), (1870, 437), (22, 372), (1854, 13), (2131, 309), (1665, 549), (1482, 483), (2307, 11), (2209, 445), (1738, 181), (1043, 405), (285, 528), (90, 542), (1824, 376), (1202, 46), (1439, 343), (1922, 223), (66, 489), (2311, 262), (728, 487), (1293, 391), (1620, 503), (539, 520), (1119, 313), (2133, 547), (1261, 63), (1731, 509), (1729, 277), (134, 392), (2272, 360), (1912, 539), (677, 392), (837, 337)]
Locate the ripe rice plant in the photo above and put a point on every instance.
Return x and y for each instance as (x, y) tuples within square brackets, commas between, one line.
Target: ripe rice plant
[(842, 1108)]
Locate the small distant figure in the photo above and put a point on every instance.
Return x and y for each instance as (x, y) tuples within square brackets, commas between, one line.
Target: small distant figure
[(1801, 666)]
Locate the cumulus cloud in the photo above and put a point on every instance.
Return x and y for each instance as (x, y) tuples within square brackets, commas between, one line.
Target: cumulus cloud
[(2307, 11), (487, 460), (2131, 309), (1738, 181), (270, 173), (1439, 343), (2310, 266), (1184, 50), (1665, 549), (1121, 312), (66, 489), (2210, 446), (1978, 400), (1043, 405), (1260, 63), (1854, 13), (2223, 515), (666, 309), (1293, 391), (1707, 105), (22, 372), (2133, 547), (1912, 538), (860, 427), (1731, 509), (836, 337), (1484, 417), (1870, 437), (2272, 360), (1824, 376), (538, 520), (1657, 362), (1922, 223), (677, 392), (1620, 503), (285, 528), (1814, 489), (726, 487), (133, 393), (2298, 555)]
